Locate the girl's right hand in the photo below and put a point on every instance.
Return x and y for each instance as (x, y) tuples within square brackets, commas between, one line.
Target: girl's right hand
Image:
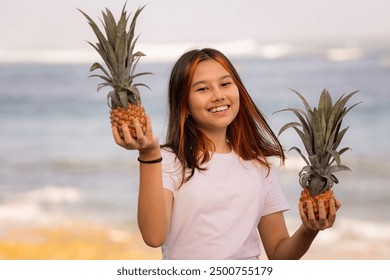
[(145, 143)]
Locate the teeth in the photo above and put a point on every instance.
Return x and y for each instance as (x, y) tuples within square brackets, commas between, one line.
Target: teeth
[(219, 109)]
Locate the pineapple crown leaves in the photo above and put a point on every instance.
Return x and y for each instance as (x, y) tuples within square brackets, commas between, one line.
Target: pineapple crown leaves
[(320, 131), (116, 48)]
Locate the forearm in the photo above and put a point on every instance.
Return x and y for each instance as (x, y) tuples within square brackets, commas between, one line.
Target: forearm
[(152, 218), (294, 247)]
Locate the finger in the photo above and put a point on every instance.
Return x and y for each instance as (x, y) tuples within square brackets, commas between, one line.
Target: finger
[(322, 219), (302, 213), (311, 216), (127, 136), (338, 204), (118, 139), (139, 133), (332, 212), (149, 128)]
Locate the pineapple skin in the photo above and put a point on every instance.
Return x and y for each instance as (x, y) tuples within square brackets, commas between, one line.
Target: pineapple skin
[(120, 115), (325, 197)]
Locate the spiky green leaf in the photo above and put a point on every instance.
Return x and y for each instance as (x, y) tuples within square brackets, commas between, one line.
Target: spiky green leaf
[(123, 98), (142, 85), (109, 26), (305, 103), (300, 153), (335, 155), (301, 115), (113, 100), (289, 125), (108, 80), (103, 85), (306, 141), (96, 66), (134, 96), (338, 168)]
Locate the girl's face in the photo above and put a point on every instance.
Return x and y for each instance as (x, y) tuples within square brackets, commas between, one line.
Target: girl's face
[(214, 98)]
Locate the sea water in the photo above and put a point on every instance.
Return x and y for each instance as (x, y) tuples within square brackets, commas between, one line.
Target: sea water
[(58, 159)]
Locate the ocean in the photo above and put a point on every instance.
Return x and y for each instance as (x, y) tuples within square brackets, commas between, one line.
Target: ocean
[(59, 162)]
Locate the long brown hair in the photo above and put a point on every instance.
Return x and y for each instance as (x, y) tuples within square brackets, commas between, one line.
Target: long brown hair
[(249, 133)]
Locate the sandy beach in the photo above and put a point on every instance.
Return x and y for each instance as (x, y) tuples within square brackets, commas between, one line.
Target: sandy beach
[(74, 241), (81, 241)]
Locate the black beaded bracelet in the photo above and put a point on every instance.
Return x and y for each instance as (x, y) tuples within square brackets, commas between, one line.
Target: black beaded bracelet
[(150, 161)]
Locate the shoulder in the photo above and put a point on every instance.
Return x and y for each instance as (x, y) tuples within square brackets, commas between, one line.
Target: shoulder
[(266, 175), (171, 169), (261, 169), (170, 159), (167, 153)]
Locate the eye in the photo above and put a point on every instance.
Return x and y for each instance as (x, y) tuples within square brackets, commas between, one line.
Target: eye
[(226, 81), (202, 89)]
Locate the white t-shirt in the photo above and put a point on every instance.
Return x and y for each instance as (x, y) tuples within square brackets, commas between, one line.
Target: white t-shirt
[(215, 214)]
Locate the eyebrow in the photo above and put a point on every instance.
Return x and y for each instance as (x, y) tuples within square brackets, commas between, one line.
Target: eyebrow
[(205, 81)]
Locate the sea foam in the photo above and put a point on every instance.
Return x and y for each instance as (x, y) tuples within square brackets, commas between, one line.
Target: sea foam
[(36, 206), (169, 52)]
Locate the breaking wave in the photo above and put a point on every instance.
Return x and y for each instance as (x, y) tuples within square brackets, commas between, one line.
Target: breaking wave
[(37, 206), (166, 52)]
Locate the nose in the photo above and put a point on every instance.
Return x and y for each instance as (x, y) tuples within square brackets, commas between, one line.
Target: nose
[(217, 95)]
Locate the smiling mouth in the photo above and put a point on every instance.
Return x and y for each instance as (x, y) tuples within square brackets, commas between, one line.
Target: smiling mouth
[(219, 109)]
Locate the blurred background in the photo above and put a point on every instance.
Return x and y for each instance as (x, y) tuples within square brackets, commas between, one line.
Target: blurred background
[(67, 191)]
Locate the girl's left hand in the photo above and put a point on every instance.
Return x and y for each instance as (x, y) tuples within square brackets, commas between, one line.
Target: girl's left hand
[(310, 222)]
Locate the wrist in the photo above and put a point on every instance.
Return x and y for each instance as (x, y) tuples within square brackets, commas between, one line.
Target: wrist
[(157, 160), (150, 154), (309, 232)]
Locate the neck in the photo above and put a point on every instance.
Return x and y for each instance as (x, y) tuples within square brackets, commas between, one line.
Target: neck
[(219, 141), (223, 147)]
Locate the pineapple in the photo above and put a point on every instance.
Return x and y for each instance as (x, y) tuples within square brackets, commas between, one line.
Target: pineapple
[(321, 133), (116, 48)]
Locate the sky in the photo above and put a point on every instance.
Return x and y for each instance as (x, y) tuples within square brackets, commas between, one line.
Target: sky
[(29, 28)]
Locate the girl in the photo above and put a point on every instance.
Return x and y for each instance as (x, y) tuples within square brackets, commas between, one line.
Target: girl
[(210, 192)]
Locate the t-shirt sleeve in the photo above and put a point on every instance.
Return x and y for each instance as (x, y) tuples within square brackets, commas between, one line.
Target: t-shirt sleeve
[(170, 170), (275, 200)]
